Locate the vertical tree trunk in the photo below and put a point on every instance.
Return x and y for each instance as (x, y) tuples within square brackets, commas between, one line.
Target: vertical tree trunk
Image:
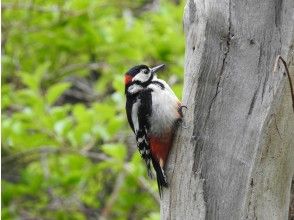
[(235, 157)]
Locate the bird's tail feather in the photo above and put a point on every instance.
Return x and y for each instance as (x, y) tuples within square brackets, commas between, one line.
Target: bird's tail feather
[(160, 176)]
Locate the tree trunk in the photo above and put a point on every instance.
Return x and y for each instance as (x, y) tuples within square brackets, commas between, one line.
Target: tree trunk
[(234, 156)]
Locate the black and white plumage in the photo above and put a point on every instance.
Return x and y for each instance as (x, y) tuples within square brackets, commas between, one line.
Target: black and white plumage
[(152, 111)]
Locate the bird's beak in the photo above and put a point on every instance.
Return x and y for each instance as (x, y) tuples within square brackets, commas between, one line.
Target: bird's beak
[(157, 68)]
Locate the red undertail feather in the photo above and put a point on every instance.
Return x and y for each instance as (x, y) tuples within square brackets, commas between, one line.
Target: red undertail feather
[(160, 147)]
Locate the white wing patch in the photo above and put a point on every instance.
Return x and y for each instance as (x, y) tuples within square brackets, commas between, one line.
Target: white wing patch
[(135, 115)]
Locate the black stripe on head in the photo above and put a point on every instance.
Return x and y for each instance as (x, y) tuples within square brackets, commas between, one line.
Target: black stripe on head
[(136, 69)]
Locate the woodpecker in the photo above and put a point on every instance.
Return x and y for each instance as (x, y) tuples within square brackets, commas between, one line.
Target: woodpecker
[(153, 112)]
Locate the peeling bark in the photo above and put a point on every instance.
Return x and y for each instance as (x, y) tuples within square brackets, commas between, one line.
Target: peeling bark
[(235, 158)]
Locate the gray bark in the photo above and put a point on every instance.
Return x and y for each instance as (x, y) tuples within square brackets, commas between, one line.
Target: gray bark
[(235, 157)]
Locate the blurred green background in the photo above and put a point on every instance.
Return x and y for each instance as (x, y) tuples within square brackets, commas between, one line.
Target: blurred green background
[(67, 150)]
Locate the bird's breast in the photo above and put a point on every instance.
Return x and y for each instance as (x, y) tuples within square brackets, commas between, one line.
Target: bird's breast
[(164, 112)]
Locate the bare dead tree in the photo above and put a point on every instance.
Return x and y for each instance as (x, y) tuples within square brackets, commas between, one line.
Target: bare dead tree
[(235, 159)]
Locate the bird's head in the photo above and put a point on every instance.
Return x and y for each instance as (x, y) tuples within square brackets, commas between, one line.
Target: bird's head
[(141, 74)]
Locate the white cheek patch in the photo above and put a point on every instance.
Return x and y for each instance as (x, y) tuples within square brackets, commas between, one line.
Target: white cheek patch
[(134, 89), (142, 77)]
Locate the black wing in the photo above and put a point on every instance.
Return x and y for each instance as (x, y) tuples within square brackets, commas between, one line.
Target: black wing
[(144, 111), (140, 106), (129, 106), (142, 136)]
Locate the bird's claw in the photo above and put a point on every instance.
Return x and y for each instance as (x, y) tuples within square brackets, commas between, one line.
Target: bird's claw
[(181, 110)]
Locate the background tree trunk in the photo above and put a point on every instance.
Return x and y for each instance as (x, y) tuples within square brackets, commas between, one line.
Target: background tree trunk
[(235, 158)]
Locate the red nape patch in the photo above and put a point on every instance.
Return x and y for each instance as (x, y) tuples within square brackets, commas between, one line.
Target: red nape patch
[(128, 79), (160, 148)]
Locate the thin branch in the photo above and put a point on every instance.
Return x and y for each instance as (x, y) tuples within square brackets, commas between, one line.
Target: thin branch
[(51, 150), (113, 197), (143, 183), (94, 155), (279, 57), (41, 9)]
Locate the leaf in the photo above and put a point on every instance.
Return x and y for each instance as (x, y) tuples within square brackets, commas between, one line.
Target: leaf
[(62, 125), (28, 80), (118, 151), (101, 131), (55, 91), (153, 216), (33, 80)]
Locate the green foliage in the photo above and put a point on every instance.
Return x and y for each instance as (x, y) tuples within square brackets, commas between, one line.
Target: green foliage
[(66, 151)]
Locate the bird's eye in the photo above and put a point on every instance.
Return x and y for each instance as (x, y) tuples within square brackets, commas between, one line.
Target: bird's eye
[(145, 71)]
